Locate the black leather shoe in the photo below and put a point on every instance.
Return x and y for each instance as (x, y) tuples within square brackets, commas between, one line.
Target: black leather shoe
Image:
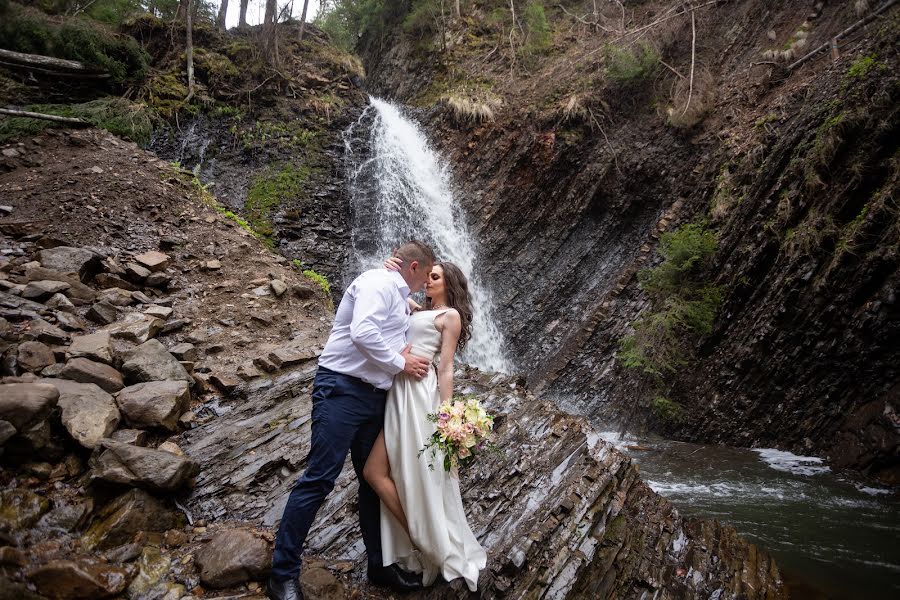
[(395, 578), (283, 590)]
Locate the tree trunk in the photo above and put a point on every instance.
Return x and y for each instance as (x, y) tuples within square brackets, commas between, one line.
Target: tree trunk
[(190, 52), (47, 63), (458, 12), (184, 7), (303, 19), (11, 112), (268, 31), (220, 21), (242, 18)]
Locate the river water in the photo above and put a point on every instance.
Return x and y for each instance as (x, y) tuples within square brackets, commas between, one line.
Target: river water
[(832, 535)]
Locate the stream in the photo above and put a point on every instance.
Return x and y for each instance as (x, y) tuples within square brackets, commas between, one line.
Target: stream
[(833, 536)]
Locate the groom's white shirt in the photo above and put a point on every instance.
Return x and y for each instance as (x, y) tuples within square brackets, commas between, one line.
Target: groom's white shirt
[(369, 329)]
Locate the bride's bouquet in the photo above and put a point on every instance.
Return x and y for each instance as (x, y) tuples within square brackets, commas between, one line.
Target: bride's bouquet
[(463, 427)]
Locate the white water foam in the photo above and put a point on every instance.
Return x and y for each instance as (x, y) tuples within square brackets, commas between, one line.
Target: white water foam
[(792, 463), (413, 199)]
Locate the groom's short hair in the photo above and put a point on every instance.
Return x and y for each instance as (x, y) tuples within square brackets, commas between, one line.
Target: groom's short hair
[(414, 250)]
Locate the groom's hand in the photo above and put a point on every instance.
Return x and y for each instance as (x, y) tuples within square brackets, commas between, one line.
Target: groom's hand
[(414, 366)]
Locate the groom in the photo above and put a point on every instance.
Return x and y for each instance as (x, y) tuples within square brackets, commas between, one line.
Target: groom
[(366, 348)]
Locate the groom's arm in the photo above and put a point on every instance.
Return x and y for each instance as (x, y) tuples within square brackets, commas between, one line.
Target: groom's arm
[(371, 310)]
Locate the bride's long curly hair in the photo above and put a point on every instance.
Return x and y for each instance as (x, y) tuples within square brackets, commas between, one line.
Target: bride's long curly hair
[(456, 287)]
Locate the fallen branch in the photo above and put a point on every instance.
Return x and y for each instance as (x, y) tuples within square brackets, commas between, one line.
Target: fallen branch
[(833, 41), (45, 62), (11, 112)]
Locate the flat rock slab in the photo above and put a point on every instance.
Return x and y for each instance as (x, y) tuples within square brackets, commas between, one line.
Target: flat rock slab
[(116, 297), (89, 414), (145, 468), (84, 370), (43, 289), (69, 260), (155, 404), (160, 312), (153, 260), (95, 346), (234, 556), (103, 313), (135, 327), (76, 290), (132, 512), (24, 403), (43, 331), (152, 362), (81, 580)]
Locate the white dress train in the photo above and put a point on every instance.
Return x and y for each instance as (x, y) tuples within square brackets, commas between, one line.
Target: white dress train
[(442, 541)]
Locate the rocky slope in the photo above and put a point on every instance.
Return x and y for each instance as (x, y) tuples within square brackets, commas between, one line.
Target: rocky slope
[(147, 449), (588, 158)]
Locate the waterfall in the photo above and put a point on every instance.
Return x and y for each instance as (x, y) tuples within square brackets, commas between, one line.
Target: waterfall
[(400, 190)]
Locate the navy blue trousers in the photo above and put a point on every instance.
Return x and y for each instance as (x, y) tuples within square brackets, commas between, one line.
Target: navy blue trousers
[(347, 415)]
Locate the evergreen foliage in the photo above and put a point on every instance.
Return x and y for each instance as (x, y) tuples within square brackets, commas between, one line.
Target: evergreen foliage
[(117, 115), (345, 20), (539, 37), (626, 65)]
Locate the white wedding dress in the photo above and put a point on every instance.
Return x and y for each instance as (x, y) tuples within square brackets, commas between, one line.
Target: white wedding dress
[(442, 542)]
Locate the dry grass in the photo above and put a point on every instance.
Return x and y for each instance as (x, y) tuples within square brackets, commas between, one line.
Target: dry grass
[(472, 108), (684, 115), (861, 7)]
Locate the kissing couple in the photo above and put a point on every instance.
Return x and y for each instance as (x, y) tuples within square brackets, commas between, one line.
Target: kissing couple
[(373, 390)]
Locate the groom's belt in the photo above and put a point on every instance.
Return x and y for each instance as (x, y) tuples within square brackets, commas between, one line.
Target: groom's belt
[(356, 380)]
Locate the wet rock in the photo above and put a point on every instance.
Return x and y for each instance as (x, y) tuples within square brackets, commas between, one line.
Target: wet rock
[(103, 313), (67, 516), (84, 370), (34, 356), (84, 579), (124, 553), (12, 557), (142, 467), (67, 259), (320, 584), (96, 347), (160, 312), (43, 289), (152, 362), (89, 414), (185, 351), (20, 509), (155, 403), (25, 403), (135, 437), (116, 297), (153, 566), (6, 431), (43, 331), (13, 590), (40, 470), (76, 290), (233, 556), (60, 303), (135, 327), (130, 513), (153, 260)]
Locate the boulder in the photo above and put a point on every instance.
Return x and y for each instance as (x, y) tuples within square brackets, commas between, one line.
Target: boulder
[(25, 403), (84, 370), (76, 290), (116, 297), (119, 521), (153, 260), (95, 346), (153, 566), (67, 259), (152, 362), (158, 280), (61, 303), (135, 327), (135, 437), (155, 403), (89, 414), (34, 356), (103, 313), (136, 272), (108, 280), (278, 286), (52, 370), (43, 289), (233, 556), (43, 331), (20, 509), (70, 322), (67, 517), (185, 351), (142, 467), (226, 382), (76, 580), (160, 312), (318, 583)]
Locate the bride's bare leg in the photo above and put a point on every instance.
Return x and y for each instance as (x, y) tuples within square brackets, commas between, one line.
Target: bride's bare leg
[(378, 473)]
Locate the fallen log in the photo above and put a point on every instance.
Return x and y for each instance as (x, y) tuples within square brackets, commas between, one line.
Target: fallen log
[(11, 112), (48, 63)]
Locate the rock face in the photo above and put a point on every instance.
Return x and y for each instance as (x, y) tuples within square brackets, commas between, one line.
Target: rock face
[(155, 403), (130, 513), (561, 513), (145, 468), (234, 556), (88, 413), (152, 362)]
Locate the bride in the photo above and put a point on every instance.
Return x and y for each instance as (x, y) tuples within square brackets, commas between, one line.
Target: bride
[(424, 528)]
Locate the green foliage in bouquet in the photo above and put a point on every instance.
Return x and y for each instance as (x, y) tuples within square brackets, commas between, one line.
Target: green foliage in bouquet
[(463, 429)]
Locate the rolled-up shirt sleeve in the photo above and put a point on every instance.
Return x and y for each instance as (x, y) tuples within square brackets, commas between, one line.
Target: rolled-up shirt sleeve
[(371, 309)]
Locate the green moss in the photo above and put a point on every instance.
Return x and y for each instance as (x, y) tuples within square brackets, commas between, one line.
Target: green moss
[(862, 66), (269, 191), (216, 69), (165, 93), (117, 115), (318, 279), (626, 65), (665, 408)]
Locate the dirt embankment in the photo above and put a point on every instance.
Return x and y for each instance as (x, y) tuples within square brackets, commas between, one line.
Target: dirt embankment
[(575, 160)]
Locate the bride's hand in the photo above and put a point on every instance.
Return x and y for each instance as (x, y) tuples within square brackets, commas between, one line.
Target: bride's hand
[(393, 263)]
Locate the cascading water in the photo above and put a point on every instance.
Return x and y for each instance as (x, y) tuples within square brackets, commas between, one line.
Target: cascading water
[(401, 190)]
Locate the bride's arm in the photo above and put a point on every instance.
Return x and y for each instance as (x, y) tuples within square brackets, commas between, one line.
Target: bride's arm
[(449, 337)]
